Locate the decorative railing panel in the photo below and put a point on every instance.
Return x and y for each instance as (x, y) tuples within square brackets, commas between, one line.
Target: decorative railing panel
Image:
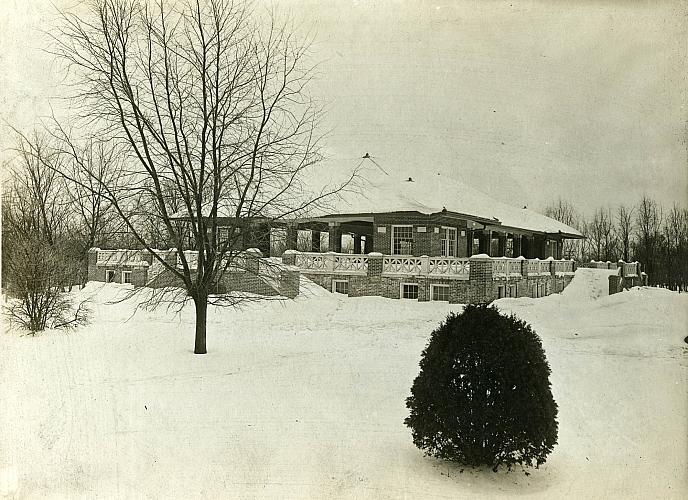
[(331, 262), (402, 265), (538, 267), (350, 263), (449, 267), (499, 268), (630, 269), (514, 267), (506, 268), (563, 266), (312, 261)]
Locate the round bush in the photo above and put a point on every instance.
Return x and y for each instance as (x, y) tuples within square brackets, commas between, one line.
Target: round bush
[(483, 395)]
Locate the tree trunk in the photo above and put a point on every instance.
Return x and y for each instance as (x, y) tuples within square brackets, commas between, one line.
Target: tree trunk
[(201, 303)]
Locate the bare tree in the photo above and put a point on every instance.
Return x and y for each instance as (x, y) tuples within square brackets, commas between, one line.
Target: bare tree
[(648, 226), (209, 111), (674, 269), (564, 211), (601, 237), (624, 230)]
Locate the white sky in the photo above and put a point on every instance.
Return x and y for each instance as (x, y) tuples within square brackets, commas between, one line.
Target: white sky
[(526, 101)]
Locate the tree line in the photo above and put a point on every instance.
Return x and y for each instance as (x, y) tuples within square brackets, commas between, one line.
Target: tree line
[(647, 232)]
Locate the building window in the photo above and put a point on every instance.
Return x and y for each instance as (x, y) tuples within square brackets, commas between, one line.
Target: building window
[(402, 240), (448, 242), (440, 293), (500, 292), (222, 234), (126, 276), (409, 291), (340, 286), (109, 276), (513, 291)]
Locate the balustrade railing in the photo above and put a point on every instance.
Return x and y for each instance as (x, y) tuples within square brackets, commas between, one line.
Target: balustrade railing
[(630, 269), (563, 266), (402, 265), (350, 263), (331, 262), (439, 267), (449, 267), (119, 257), (503, 267)]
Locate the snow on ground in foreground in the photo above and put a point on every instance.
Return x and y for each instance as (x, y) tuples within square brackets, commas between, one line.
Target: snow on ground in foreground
[(306, 399)]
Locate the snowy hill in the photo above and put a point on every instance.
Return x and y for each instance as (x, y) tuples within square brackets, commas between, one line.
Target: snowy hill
[(306, 399)]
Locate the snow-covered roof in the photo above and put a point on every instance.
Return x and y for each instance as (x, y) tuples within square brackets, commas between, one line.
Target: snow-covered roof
[(429, 194)]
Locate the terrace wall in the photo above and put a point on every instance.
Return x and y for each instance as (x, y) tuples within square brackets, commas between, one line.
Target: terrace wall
[(479, 279), (250, 272)]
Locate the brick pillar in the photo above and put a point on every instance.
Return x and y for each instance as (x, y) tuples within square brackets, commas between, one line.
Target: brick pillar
[(289, 282), (335, 238), (480, 280), (289, 257), (524, 268), (139, 275), (375, 264), (252, 258), (92, 260)]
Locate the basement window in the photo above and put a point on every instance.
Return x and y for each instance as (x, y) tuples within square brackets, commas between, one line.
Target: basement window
[(109, 276), (340, 286), (126, 276), (409, 291), (440, 293)]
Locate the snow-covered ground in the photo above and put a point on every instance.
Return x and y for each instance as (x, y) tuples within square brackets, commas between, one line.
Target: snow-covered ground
[(306, 399)]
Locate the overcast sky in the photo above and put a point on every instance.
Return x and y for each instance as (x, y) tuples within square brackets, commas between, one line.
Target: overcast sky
[(525, 101)]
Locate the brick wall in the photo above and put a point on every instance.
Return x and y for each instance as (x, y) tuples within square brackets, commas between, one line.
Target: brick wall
[(481, 287), (427, 236)]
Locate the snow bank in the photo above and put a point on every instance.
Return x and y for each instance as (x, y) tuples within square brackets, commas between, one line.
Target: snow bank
[(306, 399)]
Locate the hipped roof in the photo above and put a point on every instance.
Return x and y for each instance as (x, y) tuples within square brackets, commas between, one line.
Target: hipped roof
[(431, 194)]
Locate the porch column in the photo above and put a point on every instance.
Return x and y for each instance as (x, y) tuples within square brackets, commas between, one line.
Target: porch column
[(560, 249), (315, 241), (357, 243), (292, 236), (517, 245), (501, 245), (539, 247), (527, 247), (335, 239), (369, 242), (469, 242), (486, 241)]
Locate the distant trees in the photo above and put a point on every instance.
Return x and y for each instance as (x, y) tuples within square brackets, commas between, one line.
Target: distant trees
[(38, 262), (654, 236)]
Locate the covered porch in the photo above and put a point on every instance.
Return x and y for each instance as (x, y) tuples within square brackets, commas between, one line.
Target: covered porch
[(413, 234)]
